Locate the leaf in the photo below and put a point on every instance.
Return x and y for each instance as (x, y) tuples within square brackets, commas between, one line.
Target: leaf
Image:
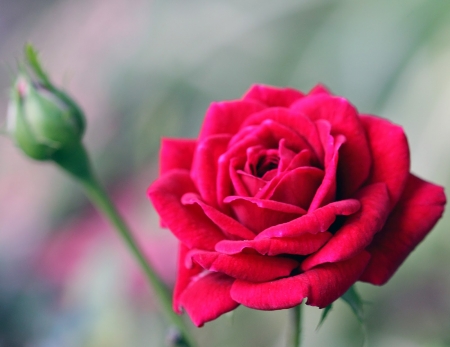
[(352, 298), (32, 58), (325, 312)]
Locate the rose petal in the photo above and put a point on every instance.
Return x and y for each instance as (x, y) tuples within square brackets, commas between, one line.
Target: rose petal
[(299, 123), (226, 117), (248, 267), (418, 210), (327, 190), (319, 89), (390, 155), (302, 245), (230, 227), (314, 222), (321, 285), (208, 297), (205, 166), (257, 214), (184, 276), (272, 97), (188, 223), (355, 157), (176, 154), (357, 232), (298, 187)]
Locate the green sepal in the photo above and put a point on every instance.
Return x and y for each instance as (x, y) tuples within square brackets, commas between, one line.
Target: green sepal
[(324, 315), (352, 298)]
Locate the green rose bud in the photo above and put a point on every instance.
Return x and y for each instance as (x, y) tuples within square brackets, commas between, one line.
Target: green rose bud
[(42, 119)]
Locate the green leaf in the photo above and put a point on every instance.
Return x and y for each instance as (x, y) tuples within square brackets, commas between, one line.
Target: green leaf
[(352, 298), (32, 58), (325, 312)]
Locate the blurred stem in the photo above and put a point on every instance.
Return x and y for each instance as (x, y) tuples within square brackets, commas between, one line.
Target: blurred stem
[(76, 162), (295, 331)]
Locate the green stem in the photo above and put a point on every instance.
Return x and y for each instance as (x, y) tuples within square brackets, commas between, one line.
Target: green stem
[(295, 331), (76, 162)]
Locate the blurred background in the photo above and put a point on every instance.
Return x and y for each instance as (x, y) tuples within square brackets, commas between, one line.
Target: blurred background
[(146, 69)]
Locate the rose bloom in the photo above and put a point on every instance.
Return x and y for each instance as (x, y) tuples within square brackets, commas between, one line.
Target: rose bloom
[(286, 196)]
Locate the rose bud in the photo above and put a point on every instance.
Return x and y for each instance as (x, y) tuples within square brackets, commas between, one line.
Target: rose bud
[(42, 120), (286, 197)]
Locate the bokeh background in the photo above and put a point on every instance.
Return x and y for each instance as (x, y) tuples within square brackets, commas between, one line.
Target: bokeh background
[(146, 69)]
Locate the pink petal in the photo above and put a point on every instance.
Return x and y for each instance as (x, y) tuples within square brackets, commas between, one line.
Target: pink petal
[(188, 223), (418, 210), (321, 285), (208, 297), (205, 166), (327, 190), (236, 174), (176, 154), (302, 245), (319, 89), (355, 157), (184, 277), (271, 96), (314, 222), (252, 184), (230, 227), (357, 232), (257, 214), (226, 117), (390, 155), (299, 123), (247, 267), (298, 187)]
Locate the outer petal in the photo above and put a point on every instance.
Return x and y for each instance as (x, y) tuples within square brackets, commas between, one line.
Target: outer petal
[(321, 285), (358, 231), (231, 227), (176, 154), (355, 157), (208, 297), (390, 155), (418, 210), (271, 96), (184, 277), (247, 267), (319, 89), (302, 245), (205, 166), (315, 222), (188, 223), (226, 117)]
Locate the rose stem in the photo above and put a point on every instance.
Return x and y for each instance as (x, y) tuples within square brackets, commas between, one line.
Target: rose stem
[(295, 328), (76, 162)]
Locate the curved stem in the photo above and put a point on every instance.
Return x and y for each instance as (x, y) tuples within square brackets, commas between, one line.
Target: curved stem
[(76, 162), (295, 329)]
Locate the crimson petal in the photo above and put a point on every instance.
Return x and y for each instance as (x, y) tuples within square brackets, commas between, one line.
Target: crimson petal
[(205, 166), (184, 276), (302, 245), (176, 154), (208, 297), (273, 97), (355, 157), (226, 117), (188, 223), (314, 222), (390, 155), (321, 285), (247, 267), (257, 214), (358, 230), (232, 228), (418, 210)]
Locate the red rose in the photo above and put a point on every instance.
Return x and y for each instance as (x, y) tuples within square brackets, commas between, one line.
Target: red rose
[(286, 196)]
